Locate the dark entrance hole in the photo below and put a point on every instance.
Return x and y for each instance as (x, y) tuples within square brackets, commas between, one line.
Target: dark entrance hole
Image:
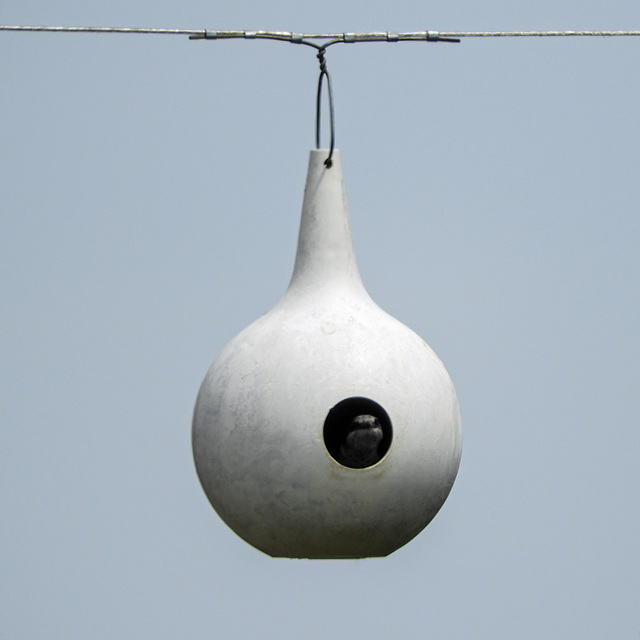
[(357, 432)]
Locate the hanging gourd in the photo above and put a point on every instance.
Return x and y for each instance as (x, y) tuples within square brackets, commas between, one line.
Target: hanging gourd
[(327, 429)]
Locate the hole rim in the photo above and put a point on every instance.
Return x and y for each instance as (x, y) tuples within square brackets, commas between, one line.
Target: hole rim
[(341, 415)]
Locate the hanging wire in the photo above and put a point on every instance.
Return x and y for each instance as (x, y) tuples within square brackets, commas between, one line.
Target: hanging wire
[(331, 38), (324, 73)]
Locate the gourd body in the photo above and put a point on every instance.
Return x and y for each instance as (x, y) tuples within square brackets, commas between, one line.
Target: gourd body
[(262, 425)]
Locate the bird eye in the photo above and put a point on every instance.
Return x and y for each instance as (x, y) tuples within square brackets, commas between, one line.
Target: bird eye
[(357, 432)]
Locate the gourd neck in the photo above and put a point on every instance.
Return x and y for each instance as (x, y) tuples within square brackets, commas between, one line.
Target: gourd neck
[(325, 255)]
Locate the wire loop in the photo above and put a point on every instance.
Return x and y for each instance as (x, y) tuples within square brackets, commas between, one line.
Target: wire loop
[(324, 73)]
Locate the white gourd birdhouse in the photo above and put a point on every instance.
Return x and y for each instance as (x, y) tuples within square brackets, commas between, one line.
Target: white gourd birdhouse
[(327, 429)]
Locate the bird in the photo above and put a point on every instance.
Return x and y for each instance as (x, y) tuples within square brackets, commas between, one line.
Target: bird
[(359, 447)]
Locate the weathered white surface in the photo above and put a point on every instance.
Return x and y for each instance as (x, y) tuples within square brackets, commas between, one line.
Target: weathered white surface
[(258, 422)]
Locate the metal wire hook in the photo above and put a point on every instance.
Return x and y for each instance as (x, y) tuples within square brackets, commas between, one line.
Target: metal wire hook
[(324, 73)]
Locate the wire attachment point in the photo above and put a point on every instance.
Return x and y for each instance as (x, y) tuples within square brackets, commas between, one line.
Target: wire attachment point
[(205, 35), (434, 36)]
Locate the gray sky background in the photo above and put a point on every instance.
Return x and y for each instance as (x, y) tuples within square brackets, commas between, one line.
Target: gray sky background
[(150, 191)]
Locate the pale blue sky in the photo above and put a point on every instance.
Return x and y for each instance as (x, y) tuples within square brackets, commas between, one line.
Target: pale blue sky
[(150, 189)]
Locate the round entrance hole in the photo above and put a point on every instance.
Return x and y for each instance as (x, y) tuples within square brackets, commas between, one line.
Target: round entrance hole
[(357, 432)]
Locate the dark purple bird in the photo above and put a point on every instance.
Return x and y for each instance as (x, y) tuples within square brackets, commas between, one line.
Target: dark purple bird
[(359, 448)]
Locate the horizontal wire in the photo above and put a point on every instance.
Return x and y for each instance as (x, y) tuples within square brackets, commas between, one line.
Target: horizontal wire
[(528, 34), (299, 38), (180, 32)]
